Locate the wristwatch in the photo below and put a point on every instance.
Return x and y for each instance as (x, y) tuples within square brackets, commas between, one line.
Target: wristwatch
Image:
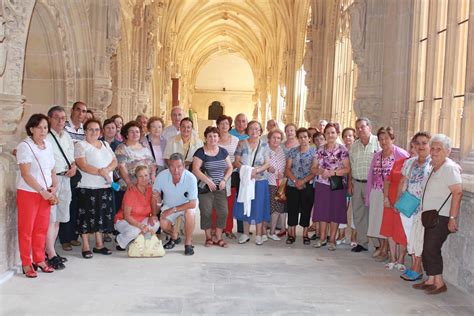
[(452, 217)]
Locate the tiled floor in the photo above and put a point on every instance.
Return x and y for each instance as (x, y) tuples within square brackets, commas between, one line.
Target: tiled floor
[(273, 279)]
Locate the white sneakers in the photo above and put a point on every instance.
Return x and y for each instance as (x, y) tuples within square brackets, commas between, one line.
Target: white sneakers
[(264, 238), (259, 240), (243, 239), (274, 237)]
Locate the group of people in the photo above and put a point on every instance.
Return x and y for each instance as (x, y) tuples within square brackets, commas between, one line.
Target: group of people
[(80, 176)]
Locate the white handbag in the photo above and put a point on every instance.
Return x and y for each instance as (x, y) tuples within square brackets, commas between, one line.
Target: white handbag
[(148, 247)]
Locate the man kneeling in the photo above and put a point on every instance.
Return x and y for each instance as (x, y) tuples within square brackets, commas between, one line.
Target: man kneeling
[(175, 190), (138, 213)]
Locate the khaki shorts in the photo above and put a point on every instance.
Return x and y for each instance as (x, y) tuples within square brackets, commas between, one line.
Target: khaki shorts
[(174, 216), (60, 211)]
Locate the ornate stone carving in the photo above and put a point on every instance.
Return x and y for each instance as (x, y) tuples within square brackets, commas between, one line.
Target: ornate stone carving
[(113, 27), (358, 13)]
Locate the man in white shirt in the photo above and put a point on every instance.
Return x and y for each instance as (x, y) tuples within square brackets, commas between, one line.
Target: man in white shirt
[(63, 149), (177, 115), (78, 116)]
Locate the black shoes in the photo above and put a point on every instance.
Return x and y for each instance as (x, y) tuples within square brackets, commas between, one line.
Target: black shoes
[(358, 248), (56, 263), (188, 250), (172, 242)]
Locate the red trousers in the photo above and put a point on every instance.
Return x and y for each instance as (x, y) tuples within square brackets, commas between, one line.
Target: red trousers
[(33, 223), (230, 218)]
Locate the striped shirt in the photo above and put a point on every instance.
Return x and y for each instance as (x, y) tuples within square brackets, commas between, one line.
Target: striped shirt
[(215, 166), (230, 146), (361, 156), (76, 134)]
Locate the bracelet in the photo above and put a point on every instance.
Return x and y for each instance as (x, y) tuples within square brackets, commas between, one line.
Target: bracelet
[(452, 217)]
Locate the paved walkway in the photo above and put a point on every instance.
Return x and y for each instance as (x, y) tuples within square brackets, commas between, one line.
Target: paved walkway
[(273, 279)]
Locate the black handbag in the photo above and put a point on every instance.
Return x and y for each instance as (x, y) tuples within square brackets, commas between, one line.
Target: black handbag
[(75, 179), (203, 188), (335, 183)]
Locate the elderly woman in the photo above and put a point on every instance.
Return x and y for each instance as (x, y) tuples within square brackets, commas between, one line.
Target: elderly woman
[(138, 214), (212, 166), (299, 190), (229, 142), (253, 153), (96, 160), (276, 172), (415, 171), (156, 142), (379, 170), (392, 226), (185, 143), (330, 206), (442, 193), (36, 186)]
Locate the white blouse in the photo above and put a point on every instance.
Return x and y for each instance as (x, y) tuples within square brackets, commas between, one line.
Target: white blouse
[(97, 158), (24, 155)]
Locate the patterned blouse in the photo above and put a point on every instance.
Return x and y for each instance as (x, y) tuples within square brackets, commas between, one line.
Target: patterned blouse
[(381, 171), (300, 163), (417, 175), (247, 155), (133, 158), (277, 161), (331, 159)]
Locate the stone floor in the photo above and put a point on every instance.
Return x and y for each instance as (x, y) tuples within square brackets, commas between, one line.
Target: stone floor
[(273, 279)]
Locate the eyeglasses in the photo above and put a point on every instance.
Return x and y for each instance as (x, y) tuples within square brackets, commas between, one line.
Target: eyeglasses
[(57, 118), (94, 130)]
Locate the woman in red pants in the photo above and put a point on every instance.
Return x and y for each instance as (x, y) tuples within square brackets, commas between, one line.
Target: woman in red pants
[(36, 187)]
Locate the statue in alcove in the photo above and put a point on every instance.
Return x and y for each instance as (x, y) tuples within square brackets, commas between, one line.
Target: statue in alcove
[(215, 110)]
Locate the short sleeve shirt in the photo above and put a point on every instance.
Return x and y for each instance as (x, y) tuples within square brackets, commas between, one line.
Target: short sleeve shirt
[(24, 155), (97, 158), (176, 194), (361, 156), (437, 187), (65, 141), (381, 170), (247, 154), (231, 146), (331, 159), (300, 163), (176, 145), (277, 161), (215, 166), (132, 158), (139, 203), (76, 134)]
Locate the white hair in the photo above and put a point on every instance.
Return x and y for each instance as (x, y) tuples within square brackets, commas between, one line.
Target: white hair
[(443, 139)]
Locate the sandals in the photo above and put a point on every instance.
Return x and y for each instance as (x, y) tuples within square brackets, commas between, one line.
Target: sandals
[(230, 235), (208, 243), (221, 243), (306, 240), (290, 240), (411, 276), (172, 242), (103, 251), (87, 254)]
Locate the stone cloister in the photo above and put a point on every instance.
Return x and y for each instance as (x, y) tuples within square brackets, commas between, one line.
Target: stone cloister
[(408, 64)]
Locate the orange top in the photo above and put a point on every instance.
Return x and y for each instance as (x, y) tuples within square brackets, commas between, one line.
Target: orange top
[(139, 203)]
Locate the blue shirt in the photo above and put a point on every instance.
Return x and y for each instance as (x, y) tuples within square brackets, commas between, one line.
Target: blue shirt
[(173, 195), (239, 136), (300, 163)]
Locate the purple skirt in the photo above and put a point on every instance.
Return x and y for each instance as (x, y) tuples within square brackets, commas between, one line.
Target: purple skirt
[(329, 206)]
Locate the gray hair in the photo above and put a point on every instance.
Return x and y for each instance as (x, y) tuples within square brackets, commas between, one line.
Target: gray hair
[(55, 108), (364, 119), (443, 139), (177, 156), (323, 121)]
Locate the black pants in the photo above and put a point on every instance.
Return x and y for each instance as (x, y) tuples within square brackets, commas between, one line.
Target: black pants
[(299, 202), (433, 241), (67, 231), (235, 183)]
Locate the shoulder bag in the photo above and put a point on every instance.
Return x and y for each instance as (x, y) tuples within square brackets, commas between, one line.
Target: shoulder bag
[(407, 204), (280, 195), (430, 218), (78, 176), (203, 188)]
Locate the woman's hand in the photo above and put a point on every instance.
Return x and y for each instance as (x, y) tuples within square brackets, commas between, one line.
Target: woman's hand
[(271, 169), (222, 185), (300, 184), (52, 189), (211, 185), (452, 225), (326, 174), (254, 173), (386, 202), (72, 171), (46, 194), (152, 220), (144, 228)]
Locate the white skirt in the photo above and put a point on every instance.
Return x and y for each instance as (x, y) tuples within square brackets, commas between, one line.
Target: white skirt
[(375, 214), (415, 239)]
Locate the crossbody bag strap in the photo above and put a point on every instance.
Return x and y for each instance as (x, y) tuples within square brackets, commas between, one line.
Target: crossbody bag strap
[(39, 165), (256, 152), (61, 149), (424, 190), (151, 146)]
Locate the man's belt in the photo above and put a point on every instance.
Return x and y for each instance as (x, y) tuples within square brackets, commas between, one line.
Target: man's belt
[(361, 181)]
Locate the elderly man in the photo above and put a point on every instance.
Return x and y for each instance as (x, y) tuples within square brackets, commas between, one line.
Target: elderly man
[(78, 116), (175, 190), (241, 122), (177, 115), (360, 156), (142, 119), (63, 149)]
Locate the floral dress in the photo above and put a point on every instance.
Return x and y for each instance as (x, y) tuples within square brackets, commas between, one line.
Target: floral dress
[(277, 161), (133, 158)]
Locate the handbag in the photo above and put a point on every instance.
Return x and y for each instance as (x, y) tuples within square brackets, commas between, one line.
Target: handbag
[(335, 183), (54, 199), (203, 188), (407, 203), (148, 247), (430, 218), (280, 195), (75, 179)]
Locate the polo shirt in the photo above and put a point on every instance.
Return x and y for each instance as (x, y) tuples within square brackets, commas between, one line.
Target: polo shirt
[(76, 134), (176, 194), (239, 136)]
